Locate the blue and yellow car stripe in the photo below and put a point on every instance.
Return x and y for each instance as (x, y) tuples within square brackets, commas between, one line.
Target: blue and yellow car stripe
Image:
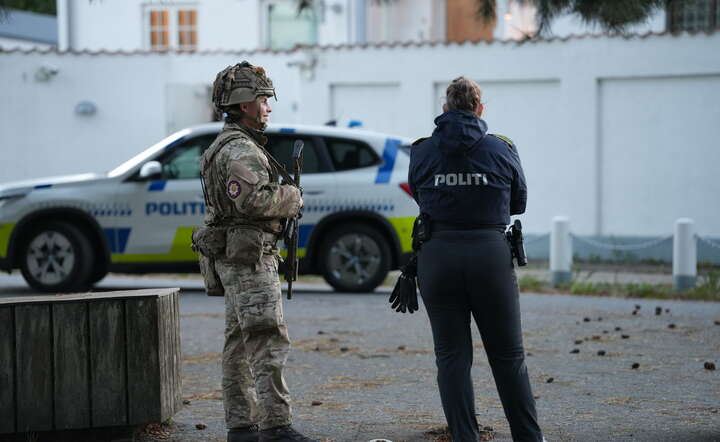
[(389, 154), (180, 250), (5, 233)]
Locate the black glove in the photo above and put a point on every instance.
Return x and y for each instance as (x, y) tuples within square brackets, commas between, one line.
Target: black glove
[(404, 296)]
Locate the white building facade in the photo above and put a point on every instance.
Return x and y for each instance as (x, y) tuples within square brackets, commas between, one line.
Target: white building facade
[(205, 25), (606, 127), (617, 133)]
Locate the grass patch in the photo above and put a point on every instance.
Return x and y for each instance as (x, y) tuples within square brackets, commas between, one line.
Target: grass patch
[(707, 288), (529, 283)]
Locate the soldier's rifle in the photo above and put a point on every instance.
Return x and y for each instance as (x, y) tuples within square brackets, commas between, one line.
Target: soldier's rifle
[(293, 224)]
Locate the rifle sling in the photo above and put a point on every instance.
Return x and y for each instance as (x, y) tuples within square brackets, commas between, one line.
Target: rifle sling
[(281, 169)]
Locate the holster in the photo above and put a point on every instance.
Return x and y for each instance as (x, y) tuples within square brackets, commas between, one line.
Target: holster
[(422, 231), (517, 244)]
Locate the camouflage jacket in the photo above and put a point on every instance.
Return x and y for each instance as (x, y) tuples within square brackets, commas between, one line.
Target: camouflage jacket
[(241, 185)]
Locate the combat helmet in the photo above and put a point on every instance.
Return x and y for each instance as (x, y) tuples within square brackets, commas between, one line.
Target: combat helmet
[(240, 83)]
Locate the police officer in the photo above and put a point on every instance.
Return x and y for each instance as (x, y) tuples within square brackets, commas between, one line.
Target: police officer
[(468, 182), (238, 257)]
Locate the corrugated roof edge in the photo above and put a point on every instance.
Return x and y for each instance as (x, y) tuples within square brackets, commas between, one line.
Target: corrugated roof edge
[(396, 44)]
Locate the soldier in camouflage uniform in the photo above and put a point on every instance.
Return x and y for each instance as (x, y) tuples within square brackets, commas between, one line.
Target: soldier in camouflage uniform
[(246, 205)]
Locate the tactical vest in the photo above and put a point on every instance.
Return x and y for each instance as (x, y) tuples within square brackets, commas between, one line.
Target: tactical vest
[(213, 196), (219, 216)]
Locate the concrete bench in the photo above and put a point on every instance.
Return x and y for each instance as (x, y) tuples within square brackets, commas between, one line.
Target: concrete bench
[(89, 360)]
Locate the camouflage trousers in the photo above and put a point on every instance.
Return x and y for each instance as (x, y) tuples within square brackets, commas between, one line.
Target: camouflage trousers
[(256, 345)]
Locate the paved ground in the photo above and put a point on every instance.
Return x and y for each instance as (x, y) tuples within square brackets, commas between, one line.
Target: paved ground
[(373, 371)]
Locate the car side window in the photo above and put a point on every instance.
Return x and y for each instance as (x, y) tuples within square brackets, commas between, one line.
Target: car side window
[(281, 148), (183, 161), (349, 154)]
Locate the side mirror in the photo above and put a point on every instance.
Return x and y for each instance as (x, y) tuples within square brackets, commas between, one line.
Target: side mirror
[(151, 169)]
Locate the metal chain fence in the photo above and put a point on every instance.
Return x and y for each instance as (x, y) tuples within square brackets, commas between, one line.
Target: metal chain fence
[(536, 239), (622, 247), (708, 241)]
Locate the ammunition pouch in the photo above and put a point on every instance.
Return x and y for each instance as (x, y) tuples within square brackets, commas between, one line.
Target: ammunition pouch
[(213, 285), (209, 241), (244, 244)]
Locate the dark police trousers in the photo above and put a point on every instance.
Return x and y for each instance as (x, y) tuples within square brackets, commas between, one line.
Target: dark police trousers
[(470, 272)]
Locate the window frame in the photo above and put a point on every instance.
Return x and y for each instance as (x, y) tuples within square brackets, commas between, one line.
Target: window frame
[(266, 32), (162, 30), (166, 153), (173, 28), (191, 29), (713, 17), (377, 158), (324, 160), (162, 155)]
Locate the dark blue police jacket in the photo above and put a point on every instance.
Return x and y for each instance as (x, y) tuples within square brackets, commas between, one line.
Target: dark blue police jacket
[(463, 175)]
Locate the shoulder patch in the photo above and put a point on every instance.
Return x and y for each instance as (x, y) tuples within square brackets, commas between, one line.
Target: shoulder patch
[(504, 139), (419, 140), (233, 189)]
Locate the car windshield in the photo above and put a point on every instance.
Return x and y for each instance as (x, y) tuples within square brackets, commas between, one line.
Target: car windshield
[(148, 153)]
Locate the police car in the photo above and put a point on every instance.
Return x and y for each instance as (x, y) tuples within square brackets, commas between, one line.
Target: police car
[(67, 233)]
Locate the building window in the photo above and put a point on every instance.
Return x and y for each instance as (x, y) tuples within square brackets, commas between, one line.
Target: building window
[(171, 28), (187, 29), (287, 28), (159, 30), (693, 15)]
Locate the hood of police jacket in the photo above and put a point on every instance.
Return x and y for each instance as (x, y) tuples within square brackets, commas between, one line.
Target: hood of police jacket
[(458, 131)]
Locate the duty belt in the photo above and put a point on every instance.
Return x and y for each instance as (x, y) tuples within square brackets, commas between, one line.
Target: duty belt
[(439, 226)]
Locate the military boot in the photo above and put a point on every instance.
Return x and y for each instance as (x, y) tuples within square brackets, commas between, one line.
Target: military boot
[(244, 434), (283, 434)]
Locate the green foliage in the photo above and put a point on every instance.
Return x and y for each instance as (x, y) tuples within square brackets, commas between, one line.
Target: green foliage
[(645, 290), (612, 15), (529, 283), (592, 288), (708, 288), (39, 6)]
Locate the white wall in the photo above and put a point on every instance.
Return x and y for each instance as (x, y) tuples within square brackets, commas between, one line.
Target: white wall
[(618, 134), (41, 135), (228, 24), (660, 150), (579, 136), (336, 22), (401, 20)]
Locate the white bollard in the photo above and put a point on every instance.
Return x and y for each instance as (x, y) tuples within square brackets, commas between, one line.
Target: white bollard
[(560, 251), (684, 255)]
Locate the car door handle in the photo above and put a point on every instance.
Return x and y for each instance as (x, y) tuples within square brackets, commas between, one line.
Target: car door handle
[(313, 192)]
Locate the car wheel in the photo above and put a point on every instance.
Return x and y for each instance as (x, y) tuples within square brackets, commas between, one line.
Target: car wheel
[(57, 257), (98, 272), (355, 258)]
